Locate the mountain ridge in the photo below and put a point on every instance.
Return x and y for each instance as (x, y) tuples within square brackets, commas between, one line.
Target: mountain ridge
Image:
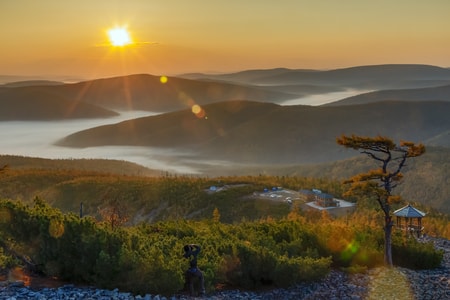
[(363, 77), (439, 93), (35, 103), (246, 131), (133, 92)]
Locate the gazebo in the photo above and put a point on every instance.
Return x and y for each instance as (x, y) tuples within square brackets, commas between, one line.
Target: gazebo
[(409, 213)]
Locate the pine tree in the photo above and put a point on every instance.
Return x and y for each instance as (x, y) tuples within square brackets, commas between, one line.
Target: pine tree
[(378, 183)]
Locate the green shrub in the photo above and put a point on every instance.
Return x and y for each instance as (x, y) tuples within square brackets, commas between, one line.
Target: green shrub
[(409, 253), (148, 258), (289, 271), (7, 261)]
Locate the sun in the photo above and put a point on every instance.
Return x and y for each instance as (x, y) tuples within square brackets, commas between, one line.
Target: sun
[(119, 36)]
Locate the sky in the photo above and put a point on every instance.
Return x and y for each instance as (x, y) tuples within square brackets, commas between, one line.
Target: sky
[(48, 38)]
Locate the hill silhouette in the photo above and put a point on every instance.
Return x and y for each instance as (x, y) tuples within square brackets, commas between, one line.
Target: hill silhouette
[(31, 83), (440, 93), (134, 92), (255, 132), (425, 178), (45, 100), (108, 166), (390, 76), (40, 103)]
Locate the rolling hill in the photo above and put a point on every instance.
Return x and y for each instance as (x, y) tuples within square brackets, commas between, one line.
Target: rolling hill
[(441, 93), (108, 166), (31, 83), (361, 77), (45, 100), (40, 103), (265, 133), (95, 98), (67, 182)]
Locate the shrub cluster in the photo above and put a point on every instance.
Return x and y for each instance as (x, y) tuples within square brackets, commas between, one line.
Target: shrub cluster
[(147, 258), (408, 252)]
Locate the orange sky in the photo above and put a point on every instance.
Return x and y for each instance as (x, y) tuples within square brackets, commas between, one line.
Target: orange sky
[(69, 38)]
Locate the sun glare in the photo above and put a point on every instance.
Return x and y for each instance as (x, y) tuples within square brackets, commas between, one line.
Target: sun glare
[(119, 36)]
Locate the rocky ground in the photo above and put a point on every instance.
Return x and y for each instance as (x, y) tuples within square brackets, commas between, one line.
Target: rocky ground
[(380, 283)]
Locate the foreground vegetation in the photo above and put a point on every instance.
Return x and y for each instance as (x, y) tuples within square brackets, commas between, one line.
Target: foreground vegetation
[(147, 258), (131, 230), (425, 180)]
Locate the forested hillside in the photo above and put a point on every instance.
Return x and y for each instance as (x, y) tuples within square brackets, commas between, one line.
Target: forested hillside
[(247, 132), (362, 77), (97, 98), (440, 93), (78, 225), (37, 103), (153, 198), (111, 166), (425, 178)]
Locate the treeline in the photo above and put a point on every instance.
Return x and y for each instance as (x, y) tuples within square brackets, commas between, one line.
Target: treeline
[(425, 180), (147, 258), (109, 166), (170, 197), (155, 198)]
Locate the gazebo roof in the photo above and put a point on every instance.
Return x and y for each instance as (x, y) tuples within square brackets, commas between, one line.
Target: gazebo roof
[(409, 212)]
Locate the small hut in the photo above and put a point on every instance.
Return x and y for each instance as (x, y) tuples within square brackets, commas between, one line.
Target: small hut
[(412, 219)]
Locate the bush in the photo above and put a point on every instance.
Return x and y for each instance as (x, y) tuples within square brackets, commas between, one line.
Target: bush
[(6, 261), (293, 270), (148, 258), (409, 253)]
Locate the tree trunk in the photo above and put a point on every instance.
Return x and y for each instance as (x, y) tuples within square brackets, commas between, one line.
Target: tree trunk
[(388, 241)]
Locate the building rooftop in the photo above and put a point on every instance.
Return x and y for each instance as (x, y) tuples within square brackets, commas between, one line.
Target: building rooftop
[(342, 204), (409, 212)]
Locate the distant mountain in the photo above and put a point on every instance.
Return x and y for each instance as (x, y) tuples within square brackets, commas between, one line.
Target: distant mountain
[(425, 177), (362, 77), (44, 100), (32, 83), (40, 103), (248, 76), (441, 93), (109, 166), (4, 79), (264, 133), (133, 92)]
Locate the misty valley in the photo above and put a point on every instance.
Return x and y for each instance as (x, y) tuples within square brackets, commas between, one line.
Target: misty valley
[(128, 167), (254, 117)]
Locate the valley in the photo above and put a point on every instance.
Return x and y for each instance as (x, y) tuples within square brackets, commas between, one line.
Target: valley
[(275, 122)]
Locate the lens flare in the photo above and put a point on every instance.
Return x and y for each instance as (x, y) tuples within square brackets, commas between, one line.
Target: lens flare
[(198, 111), (349, 251), (163, 79), (56, 228)]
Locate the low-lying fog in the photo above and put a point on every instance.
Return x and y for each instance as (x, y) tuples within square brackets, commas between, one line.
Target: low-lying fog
[(320, 99), (36, 138)]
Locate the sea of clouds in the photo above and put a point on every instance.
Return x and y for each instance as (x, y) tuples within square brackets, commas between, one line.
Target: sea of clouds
[(37, 138)]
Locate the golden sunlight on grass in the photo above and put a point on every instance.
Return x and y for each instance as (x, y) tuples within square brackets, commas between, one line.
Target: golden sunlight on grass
[(119, 36), (390, 283)]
